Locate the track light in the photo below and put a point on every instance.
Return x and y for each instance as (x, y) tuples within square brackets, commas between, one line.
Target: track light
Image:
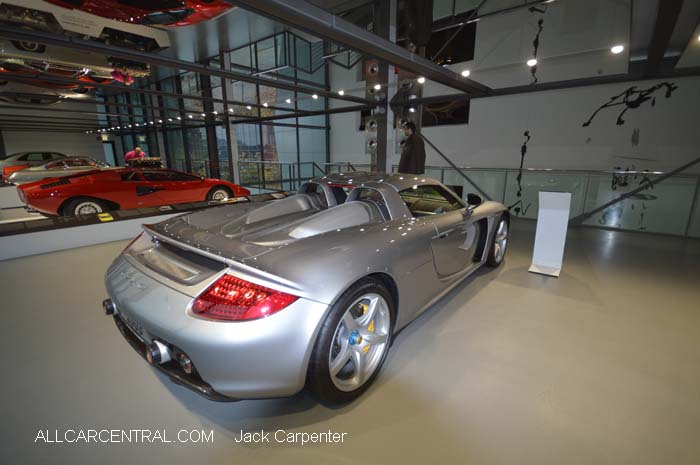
[(421, 80), (341, 92), (532, 62), (616, 49)]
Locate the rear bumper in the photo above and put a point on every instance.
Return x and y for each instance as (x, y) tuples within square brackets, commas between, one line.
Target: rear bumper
[(171, 369), (241, 360)]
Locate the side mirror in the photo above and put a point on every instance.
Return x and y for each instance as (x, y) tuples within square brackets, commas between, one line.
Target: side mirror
[(474, 200), (469, 211)]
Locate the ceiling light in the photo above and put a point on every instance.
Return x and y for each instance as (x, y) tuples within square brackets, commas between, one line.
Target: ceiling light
[(204, 115), (617, 49), (341, 92), (170, 119), (466, 73), (412, 110), (531, 62), (314, 96), (230, 110), (189, 116), (179, 118), (288, 100), (377, 86), (265, 104), (137, 124), (248, 107), (421, 80), (160, 120), (215, 112)]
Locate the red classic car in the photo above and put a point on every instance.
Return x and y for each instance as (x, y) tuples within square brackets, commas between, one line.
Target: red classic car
[(122, 189), (151, 12)]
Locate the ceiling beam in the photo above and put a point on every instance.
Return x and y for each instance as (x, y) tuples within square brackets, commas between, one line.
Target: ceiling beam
[(666, 18), (303, 15)]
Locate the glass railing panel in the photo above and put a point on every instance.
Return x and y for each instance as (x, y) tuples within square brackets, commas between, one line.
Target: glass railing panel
[(663, 208), (492, 182), (694, 229), (527, 205)]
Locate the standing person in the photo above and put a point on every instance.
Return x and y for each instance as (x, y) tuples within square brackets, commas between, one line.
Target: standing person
[(413, 151), (136, 153)]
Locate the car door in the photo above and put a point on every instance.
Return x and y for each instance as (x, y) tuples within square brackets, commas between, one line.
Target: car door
[(176, 187), (456, 234), (136, 191)]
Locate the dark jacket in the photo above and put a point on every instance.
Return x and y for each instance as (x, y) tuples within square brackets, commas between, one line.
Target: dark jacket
[(413, 155)]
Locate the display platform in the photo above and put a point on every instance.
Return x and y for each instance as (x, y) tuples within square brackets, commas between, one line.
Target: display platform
[(31, 235)]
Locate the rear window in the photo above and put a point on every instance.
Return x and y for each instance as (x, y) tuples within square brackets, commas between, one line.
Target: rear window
[(34, 156)]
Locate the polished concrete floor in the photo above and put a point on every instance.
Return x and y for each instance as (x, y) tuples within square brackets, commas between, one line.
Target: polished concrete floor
[(600, 366)]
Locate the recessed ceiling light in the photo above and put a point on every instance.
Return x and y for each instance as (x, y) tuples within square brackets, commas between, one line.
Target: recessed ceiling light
[(421, 80), (248, 107), (412, 110), (215, 112), (314, 96), (265, 104), (377, 86), (617, 49), (532, 62), (341, 92), (190, 116), (288, 100), (466, 73)]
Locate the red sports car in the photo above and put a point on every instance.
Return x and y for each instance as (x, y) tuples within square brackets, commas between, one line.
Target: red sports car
[(122, 189), (151, 12)]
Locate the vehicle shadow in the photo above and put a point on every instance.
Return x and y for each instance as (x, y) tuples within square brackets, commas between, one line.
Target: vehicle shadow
[(302, 409)]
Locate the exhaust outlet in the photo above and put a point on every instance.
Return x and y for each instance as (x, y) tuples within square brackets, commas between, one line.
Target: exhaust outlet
[(109, 307), (157, 353)]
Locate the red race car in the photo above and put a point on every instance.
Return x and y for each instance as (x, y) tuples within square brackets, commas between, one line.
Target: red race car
[(151, 12), (122, 189)]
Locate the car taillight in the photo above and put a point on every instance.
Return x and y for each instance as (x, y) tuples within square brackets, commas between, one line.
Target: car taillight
[(233, 299), (131, 243), (8, 170)]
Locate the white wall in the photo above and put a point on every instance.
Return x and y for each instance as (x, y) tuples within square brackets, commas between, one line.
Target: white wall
[(74, 143), (574, 44)]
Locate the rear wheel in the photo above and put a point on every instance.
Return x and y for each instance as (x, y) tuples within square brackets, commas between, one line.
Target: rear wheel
[(499, 243), (352, 344), (219, 194), (84, 206)]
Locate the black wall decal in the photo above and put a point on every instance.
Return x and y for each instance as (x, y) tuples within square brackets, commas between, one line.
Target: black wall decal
[(517, 207), (631, 99), (635, 137)]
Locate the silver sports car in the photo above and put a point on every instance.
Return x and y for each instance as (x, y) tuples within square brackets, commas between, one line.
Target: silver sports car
[(260, 299), (56, 168)]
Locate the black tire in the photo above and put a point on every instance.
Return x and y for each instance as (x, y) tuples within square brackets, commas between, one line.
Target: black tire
[(73, 207), (494, 259), (319, 380), (214, 190)]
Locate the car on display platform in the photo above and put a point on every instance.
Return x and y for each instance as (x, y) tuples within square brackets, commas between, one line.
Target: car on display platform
[(56, 168), (260, 299), (66, 18), (99, 191), (22, 160), (151, 12)]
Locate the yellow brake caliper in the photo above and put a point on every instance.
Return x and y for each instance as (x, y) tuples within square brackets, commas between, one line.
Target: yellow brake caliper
[(370, 328)]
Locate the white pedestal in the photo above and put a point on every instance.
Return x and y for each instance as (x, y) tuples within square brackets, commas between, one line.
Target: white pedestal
[(550, 237)]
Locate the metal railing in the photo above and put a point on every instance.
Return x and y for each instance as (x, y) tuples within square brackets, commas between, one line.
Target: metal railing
[(270, 176)]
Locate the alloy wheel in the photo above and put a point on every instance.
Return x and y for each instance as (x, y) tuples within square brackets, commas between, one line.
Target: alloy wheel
[(360, 342)]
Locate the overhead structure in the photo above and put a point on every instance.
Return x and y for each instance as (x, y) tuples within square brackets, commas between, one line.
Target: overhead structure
[(303, 15)]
